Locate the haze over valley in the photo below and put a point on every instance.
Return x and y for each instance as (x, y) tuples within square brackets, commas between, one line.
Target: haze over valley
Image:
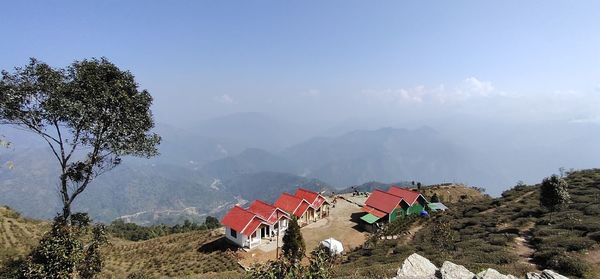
[(204, 169)]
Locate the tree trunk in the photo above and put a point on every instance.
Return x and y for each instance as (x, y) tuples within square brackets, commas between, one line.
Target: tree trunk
[(66, 212)]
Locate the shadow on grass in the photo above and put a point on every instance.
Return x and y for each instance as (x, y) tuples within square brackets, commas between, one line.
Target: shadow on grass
[(218, 245)]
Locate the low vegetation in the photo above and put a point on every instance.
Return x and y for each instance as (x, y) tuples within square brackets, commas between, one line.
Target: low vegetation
[(18, 235), (134, 232), (482, 234), (320, 266), (196, 254), (67, 250), (478, 234)]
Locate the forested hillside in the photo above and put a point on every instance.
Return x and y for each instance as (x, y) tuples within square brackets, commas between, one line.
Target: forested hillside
[(144, 193)]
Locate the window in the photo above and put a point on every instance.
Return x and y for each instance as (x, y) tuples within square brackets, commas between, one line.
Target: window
[(233, 233)]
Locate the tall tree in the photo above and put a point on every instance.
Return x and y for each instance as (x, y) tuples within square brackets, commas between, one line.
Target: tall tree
[(554, 193), (90, 114), (293, 243)]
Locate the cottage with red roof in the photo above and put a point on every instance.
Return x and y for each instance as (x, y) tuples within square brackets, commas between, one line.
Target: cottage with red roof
[(247, 227), (274, 219), (319, 206), (416, 201), (241, 227), (383, 207), (295, 206)]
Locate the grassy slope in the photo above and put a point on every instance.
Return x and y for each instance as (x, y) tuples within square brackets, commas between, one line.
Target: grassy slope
[(182, 255), (17, 235), (484, 234), (452, 193), (197, 254)]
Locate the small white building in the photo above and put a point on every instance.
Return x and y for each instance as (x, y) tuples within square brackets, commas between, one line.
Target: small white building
[(242, 227)]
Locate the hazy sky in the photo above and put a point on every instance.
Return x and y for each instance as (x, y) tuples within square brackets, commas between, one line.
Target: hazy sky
[(514, 60)]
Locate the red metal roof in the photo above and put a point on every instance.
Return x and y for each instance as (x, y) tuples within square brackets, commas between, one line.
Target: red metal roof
[(254, 224), (292, 204), (319, 201), (409, 196), (266, 211), (383, 201), (314, 198), (241, 220), (301, 209), (373, 211)]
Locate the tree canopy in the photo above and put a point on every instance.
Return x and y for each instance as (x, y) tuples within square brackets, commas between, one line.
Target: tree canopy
[(553, 193), (293, 243), (90, 114)]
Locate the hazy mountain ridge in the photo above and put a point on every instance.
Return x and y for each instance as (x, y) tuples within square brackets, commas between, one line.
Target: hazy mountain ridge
[(386, 154), (251, 160), (205, 168), (177, 183), (143, 193)]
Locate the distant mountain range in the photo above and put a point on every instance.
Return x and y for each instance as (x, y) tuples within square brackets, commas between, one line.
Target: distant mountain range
[(208, 167), (385, 154), (357, 157), (144, 193)]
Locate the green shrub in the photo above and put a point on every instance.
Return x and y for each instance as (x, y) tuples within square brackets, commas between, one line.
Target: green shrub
[(134, 232), (568, 265), (544, 255), (569, 243), (498, 257), (594, 236), (500, 239)]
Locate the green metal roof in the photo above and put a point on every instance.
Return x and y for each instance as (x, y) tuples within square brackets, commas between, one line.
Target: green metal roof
[(435, 206), (370, 218)]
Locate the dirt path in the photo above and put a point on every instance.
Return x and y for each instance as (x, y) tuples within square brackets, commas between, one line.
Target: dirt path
[(522, 247), (410, 236), (338, 225), (593, 258), (524, 196)]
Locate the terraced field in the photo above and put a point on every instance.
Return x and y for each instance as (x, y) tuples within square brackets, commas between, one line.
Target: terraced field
[(199, 254), (17, 235), (189, 255)]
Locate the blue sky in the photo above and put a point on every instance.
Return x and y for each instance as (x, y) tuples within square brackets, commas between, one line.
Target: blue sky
[(330, 59)]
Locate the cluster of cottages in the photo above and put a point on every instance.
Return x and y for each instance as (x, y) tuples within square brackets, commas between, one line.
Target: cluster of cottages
[(247, 227), (383, 207)]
